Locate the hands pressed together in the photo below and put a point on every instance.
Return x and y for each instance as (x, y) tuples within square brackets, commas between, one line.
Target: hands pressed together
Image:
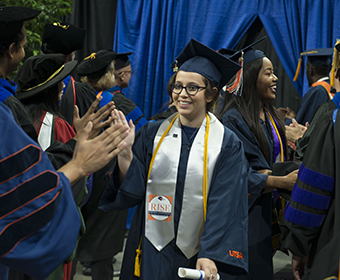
[(93, 151)]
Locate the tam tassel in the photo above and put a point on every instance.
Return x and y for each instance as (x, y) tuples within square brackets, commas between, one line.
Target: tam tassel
[(298, 70), (138, 259), (335, 63), (236, 86)]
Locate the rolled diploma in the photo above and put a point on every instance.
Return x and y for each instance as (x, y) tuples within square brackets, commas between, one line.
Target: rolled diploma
[(189, 273)]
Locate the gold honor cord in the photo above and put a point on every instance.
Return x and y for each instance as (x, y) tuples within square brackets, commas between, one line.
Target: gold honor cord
[(205, 182), (277, 132), (50, 78)]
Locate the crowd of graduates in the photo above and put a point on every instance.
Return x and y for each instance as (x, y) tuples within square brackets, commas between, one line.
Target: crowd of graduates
[(217, 189)]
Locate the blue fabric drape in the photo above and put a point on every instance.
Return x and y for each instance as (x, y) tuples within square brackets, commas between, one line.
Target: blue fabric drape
[(156, 31)]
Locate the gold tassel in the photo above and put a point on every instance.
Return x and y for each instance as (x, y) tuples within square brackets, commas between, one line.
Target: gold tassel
[(175, 69), (335, 63), (298, 70), (138, 259)]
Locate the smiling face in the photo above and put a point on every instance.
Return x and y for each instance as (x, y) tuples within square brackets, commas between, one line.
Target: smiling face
[(192, 109), (266, 81)]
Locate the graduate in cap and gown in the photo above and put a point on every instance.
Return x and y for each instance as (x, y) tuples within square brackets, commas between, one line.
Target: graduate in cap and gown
[(300, 137), (317, 68), (249, 113), (187, 176)]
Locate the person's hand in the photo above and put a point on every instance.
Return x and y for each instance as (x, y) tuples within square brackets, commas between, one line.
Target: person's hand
[(290, 180), (298, 266), (92, 154), (295, 131), (287, 112), (119, 118), (209, 268), (96, 118), (265, 171)]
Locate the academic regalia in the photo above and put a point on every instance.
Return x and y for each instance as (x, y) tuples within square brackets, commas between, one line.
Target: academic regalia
[(59, 153), (260, 205), (302, 143), (310, 102), (129, 108), (222, 202), (77, 93), (40, 244), (311, 218)]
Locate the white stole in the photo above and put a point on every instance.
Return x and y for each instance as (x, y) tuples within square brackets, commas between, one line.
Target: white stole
[(161, 186), (45, 132)]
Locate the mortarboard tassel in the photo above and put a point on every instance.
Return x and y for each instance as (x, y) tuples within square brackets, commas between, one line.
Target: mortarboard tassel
[(138, 259), (335, 63), (175, 69), (236, 86), (298, 70)]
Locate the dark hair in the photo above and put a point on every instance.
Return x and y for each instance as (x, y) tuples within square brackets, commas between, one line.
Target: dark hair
[(5, 43), (319, 70), (248, 105), (210, 91), (45, 101)]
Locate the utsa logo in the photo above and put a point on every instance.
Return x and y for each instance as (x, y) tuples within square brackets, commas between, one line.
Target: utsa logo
[(235, 254)]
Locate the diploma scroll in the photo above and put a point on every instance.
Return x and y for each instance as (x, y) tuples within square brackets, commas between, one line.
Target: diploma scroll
[(189, 273)]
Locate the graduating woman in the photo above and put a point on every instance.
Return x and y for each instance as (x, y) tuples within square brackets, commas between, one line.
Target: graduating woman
[(256, 122), (187, 176)]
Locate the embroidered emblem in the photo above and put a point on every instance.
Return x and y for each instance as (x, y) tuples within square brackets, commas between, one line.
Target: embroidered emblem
[(235, 254), (159, 208)]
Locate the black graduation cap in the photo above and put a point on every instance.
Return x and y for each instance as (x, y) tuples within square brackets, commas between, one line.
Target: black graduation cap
[(198, 58), (249, 54), (41, 72), (317, 57), (96, 64), (12, 19), (62, 38), (122, 60), (243, 56)]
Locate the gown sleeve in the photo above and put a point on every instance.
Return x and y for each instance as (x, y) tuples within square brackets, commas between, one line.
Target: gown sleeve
[(131, 191), (255, 159), (312, 195), (226, 240), (310, 102), (37, 206)]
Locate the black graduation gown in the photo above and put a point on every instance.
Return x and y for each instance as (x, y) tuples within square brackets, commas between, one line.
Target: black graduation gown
[(312, 217), (223, 202), (105, 232), (260, 205), (79, 94)]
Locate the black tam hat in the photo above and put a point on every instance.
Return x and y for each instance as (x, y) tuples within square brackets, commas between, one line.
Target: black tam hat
[(96, 64), (122, 60), (12, 19), (62, 38), (41, 72)]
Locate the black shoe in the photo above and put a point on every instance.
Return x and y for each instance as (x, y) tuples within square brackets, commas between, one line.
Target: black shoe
[(116, 273), (87, 271)]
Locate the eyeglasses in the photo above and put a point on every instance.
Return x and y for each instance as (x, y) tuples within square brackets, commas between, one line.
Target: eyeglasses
[(190, 89), (131, 72)]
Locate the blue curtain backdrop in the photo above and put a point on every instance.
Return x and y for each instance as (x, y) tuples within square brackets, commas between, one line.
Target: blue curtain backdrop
[(157, 30)]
